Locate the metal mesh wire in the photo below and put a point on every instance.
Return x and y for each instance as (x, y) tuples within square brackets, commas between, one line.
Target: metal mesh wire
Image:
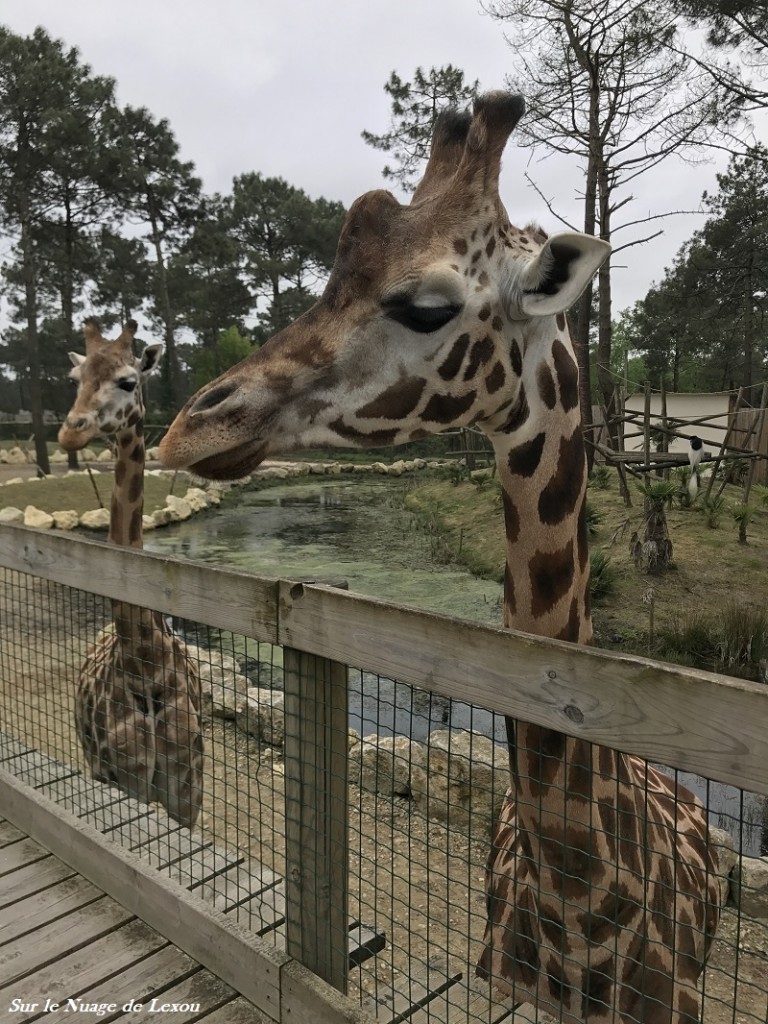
[(424, 779)]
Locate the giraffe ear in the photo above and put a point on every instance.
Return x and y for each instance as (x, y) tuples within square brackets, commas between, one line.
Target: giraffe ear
[(149, 360), (76, 359), (554, 280)]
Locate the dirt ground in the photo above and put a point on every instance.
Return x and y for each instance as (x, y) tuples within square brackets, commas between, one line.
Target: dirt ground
[(420, 882)]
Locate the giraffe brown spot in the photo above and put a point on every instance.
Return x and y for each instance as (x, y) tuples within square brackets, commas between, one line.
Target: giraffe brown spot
[(570, 630), (558, 499), (482, 279), (509, 591), (560, 321), (490, 247), (596, 989), (137, 455), (396, 402), (125, 440), (567, 373), (447, 408), (481, 352), (579, 783), (511, 517), (551, 575), (495, 378), (554, 930), (140, 429), (606, 811), (688, 1007), (613, 913), (524, 239), (545, 757), (497, 323), (418, 435), (516, 358), (488, 228), (309, 408), (484, 312), (452, 364), (116, 517), (525, 458), (370, 437), (557, 982), (120, 470), (687, 942), (662, 909), (476, 255), (460, 246), (518, 414), (571, 855), (658, 989), (135, 526), (135, 488), (582, 538), (627, 831), (546, 383)]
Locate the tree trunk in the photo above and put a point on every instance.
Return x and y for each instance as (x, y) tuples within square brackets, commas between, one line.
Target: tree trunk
[(604, 337), (67, 295), (169, 374), (33, 346)]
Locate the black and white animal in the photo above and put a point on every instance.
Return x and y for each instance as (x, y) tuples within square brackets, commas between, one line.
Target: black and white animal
[(695, 455)]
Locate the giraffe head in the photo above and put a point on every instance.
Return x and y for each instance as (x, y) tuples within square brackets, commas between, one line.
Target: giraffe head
[(109, 377), (425, 323)]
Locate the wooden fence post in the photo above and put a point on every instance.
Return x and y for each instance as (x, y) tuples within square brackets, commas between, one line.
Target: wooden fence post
[(316, 748)]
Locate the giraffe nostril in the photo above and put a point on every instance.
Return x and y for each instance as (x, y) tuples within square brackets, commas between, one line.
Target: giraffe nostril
[(213, 398)]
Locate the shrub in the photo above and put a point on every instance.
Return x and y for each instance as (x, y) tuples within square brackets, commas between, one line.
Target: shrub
[(600, 477), (593, 517), (602, 579), (742, 636), (743, 514), (712, 507), (689, 639)]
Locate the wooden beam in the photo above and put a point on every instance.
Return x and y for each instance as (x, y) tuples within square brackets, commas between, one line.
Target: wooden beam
[(696, 721), (230, 600)]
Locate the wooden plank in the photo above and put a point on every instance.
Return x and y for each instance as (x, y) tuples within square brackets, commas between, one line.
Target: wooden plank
[(39, 948), (94, 964), (138, 827), (138, 981), (305, 997), (9, 833), (184, 1001), (236, 1011), (199, 866), (696, 721), (420, 989), (364, 943), (316, 747), (85, 797), (249, 964), (236, 885), (19, 884), (37, 769), (167, 848), (263, 913), (27, 851), (41, 908), (11, 747), (235, 601)]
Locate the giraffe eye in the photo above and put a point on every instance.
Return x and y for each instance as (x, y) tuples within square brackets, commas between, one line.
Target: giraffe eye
[(423, 319), (127, 385)]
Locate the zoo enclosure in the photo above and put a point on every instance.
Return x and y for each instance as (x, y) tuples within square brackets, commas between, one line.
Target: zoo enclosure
[(688, 720)]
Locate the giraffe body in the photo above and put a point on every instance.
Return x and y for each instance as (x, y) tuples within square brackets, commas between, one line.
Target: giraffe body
[(137, 708), (602, 891)]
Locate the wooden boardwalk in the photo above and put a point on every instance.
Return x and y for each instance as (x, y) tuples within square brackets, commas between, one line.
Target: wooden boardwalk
[(65, 947)]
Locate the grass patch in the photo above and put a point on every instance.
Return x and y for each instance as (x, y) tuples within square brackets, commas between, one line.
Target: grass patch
[(62, 493)]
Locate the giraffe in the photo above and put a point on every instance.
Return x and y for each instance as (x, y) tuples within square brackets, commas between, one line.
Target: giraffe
[(602, 897), (137, 709)]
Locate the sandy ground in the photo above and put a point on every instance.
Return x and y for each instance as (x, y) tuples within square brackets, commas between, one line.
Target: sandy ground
[(417, 880)]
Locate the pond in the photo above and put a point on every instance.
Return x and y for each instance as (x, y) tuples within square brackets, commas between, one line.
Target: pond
[(358, 529)]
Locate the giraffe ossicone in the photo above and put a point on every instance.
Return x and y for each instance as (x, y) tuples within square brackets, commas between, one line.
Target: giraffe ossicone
[(137, 707), (602, 888)]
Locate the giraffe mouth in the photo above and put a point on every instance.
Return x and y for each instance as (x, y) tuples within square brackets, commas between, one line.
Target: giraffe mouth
[(233, 464)]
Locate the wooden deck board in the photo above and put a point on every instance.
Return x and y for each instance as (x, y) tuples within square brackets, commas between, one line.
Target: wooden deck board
[(9, 833), (44, 907), (32, 878), (105, 957), (85, 798), (38, 769), (236, 1011), (26, 851), (53, 942), (196, 994)]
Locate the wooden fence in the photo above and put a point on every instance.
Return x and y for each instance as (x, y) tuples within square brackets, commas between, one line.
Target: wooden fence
[(695, 721)]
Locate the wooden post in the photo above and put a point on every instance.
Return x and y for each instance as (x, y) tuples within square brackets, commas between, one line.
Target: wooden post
[(760, 423), (726, 439), (647, 425), (664, 446), (316, 749)]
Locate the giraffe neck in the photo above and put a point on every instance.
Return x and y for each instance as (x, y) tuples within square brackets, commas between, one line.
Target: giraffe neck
[(542, 470), (136, 627)]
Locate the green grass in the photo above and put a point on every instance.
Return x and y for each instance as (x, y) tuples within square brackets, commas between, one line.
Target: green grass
[(62, 493)]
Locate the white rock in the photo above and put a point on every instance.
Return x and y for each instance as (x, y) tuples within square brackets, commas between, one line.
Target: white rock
[(37, 518), (317, 468), (11, 514), (397, 468), (196, 499), (162, 516), (15, 480), (105, 456), (147, 524), (16, 457), (65, 520), (272, 473), (59, 457), (227, 697), (727, 858), (385, 764), (96, 519), (178, 507), (214, 669), (153, 453), (262, 713), (749, 886), (378, 467), (87, 455), (464, 780), (214, 495)]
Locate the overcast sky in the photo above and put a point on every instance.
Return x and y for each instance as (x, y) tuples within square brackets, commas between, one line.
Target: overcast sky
[(285, 87)]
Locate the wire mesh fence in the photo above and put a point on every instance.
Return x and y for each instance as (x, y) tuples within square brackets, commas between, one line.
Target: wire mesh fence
[(402, 831)]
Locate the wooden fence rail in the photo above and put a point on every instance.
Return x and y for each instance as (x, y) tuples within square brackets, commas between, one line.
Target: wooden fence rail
[(695, 721)]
